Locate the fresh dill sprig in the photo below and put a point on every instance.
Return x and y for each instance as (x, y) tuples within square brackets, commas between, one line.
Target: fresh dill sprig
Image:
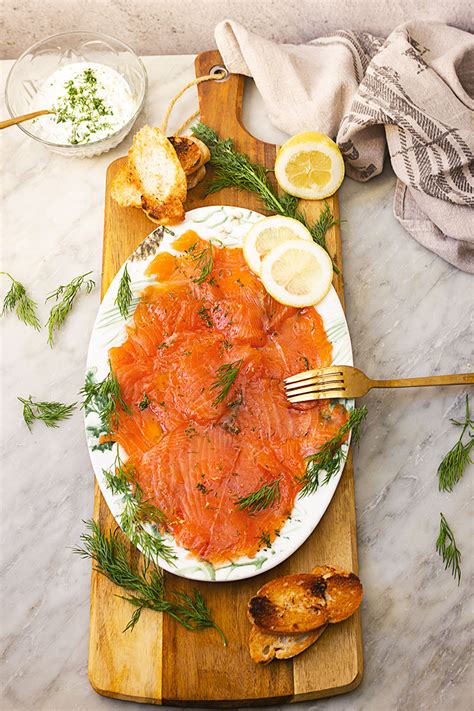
[(260, 499), (124, 294), (448, 550), (51, 413), (137, 511), (319, 228), (452, 466), (107, 395), (145, 585), (194, 614), (330, 456), (18, 300), (203, 263), (226, 374), (235, 170), (68, 293), (119, 478)]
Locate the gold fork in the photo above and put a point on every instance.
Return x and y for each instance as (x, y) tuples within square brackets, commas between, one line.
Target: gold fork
[(344, 381)]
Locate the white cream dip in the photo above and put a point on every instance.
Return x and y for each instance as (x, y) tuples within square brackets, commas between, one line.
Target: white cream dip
[(91, 102)]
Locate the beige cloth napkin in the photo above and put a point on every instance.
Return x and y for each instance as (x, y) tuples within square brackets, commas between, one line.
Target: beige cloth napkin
[(412, 93)]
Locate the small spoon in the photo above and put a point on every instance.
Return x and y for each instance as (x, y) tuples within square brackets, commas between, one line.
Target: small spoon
[(25, 117)]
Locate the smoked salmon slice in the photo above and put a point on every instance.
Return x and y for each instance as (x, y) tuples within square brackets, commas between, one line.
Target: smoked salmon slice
[(201, 370)]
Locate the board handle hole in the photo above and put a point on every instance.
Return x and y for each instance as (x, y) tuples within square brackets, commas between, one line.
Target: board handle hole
[(217, 69)]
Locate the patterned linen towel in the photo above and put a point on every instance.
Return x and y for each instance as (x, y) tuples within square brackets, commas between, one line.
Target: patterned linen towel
[(412, 93)]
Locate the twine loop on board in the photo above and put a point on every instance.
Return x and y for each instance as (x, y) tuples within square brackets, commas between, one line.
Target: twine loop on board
[(217, 74)]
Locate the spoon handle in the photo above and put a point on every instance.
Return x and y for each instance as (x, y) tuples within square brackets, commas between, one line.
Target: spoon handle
[(25, 117)]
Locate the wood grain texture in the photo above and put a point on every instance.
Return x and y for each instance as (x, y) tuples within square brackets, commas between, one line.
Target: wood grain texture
[(160, 662)]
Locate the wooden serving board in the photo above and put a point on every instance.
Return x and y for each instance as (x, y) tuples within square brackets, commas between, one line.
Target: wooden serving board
[(159, 661)]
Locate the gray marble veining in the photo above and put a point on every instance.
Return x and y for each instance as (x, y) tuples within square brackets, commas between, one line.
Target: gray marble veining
[(409, 313)]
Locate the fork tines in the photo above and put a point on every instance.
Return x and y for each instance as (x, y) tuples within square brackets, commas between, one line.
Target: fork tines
[(316, 384)]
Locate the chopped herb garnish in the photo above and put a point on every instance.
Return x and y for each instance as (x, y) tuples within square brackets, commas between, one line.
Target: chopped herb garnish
[(205, 315), (68, 293), (226, 374), (18, 300), (265, 541), (260, 499), (227, 344), (143, 404), (83, 108), (202, 488), (51, 413), (229, 425), (162, 345), (237, 401), (190, 431)]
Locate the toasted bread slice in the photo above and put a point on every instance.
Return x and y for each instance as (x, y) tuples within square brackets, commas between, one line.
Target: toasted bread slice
[(205, 152), (196, 177), (294, 604), (291, 604), (343, 592), (170, 212), (155, 168), (188, 152), (126, 193), (124, 189), (158, 173), (264, 646)]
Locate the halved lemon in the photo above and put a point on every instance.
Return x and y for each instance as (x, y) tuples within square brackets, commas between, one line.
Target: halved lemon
[(269, 233), (309, 166), (297, 273)]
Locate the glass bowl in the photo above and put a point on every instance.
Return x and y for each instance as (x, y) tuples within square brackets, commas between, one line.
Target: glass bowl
[(45, 57)]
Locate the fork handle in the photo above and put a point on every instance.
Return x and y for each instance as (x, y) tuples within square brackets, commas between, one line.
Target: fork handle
[(455, 379)]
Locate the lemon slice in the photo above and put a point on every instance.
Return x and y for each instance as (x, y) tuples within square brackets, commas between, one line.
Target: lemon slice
[(297, 273), (269, 233), (309, 166)]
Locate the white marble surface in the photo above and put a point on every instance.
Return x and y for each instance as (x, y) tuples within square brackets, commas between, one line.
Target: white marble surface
[(409, 313)]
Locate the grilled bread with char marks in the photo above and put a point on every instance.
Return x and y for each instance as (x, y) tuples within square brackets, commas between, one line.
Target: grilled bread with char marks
[(294, 604), (343, 592), (192, 153), (290, 605)]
